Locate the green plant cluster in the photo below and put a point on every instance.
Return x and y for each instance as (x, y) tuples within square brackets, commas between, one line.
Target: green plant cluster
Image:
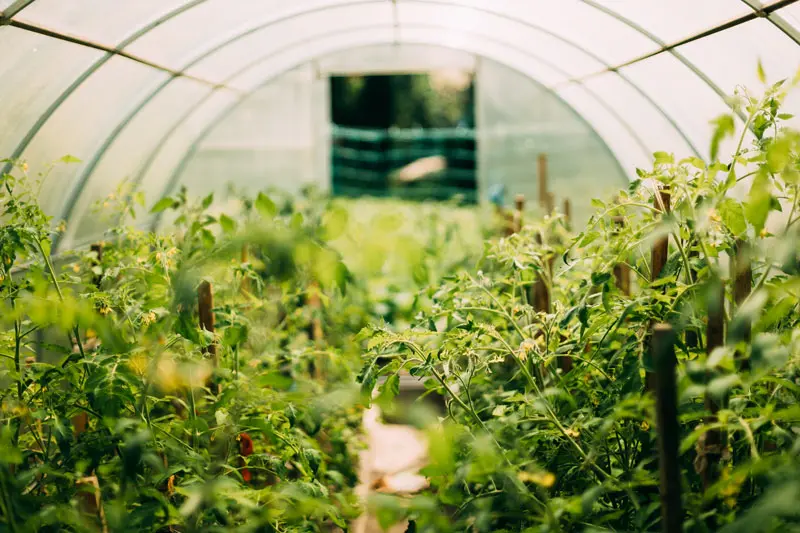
[(121, 413), (550, 423)]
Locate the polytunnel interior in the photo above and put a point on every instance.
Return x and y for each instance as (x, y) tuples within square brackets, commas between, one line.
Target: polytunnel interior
[(165, 93)]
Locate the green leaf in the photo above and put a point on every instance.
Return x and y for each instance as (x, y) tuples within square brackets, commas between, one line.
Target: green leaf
[(724, 127), (208, 200), (388, 392), (663, 158), (70, 159), (762, 76), (732, 214), (163, 204), (759, 202), (227, 223), (265, 206), (779, 153)]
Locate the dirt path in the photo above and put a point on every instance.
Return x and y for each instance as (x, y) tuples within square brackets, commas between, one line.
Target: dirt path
[(390, 464)]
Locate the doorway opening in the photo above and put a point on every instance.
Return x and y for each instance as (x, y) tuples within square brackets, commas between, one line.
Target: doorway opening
[(409, 136)]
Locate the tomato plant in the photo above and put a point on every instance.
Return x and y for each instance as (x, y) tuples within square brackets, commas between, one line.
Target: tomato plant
[(551, 423)]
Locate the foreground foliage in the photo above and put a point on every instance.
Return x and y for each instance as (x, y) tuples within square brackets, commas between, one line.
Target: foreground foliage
[(134, 418), (530, 444)]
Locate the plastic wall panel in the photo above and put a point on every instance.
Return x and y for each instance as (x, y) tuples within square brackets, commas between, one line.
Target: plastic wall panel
[(653, 129), (173, 150), (273, 65), (382, 59), (518, 119), (624, 143), (608, 38), (683, 95), (213, 23), (34, 71), (104, 21), (270, 140), (730, 58), (538, 69), (673, 20), (293, 32), (464, 19), (123, 158), (82, 122)]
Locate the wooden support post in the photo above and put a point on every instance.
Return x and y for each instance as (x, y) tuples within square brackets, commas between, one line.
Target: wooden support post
[(545, 198), (659, 256), (205, 307), (660, 252), (568, 213), (90, 501), (622, 272), (710, 446), (519, 208), (668, 429), (742, 286)]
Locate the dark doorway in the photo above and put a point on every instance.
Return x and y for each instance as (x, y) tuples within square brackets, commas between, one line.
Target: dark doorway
[(407, 135)]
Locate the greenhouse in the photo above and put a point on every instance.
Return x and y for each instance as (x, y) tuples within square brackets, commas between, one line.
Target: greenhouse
[(399, 265)]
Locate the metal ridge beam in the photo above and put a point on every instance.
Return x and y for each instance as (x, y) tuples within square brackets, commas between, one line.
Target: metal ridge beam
[(765, 11), (56, 104)]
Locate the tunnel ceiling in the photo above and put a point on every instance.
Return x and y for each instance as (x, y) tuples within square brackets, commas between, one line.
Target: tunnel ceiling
[(151, 77)]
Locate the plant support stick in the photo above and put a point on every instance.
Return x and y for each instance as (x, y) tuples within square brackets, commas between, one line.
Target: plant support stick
[(668, 429)]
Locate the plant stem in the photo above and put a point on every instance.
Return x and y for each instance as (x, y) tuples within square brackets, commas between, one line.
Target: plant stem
[(52, 272)]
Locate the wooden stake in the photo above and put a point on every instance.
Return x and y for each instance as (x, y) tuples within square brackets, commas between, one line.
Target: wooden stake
[(519, 204), (567, 212), (622, 272), (90, 500), (545, 198), (742, 286), (660, 252), (205, 307), (659, 256), (711, 445), (668, 429)]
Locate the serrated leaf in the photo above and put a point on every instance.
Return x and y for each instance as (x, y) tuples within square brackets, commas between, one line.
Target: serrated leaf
[(227, 223), (663, 158), (732, 214), (265, 206), (163, 204)]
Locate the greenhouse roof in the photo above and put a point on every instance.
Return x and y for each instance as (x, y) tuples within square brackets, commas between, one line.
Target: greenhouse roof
[(146, 79)]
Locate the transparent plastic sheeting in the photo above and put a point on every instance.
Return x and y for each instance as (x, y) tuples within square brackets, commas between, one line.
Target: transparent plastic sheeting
[(131, 87)]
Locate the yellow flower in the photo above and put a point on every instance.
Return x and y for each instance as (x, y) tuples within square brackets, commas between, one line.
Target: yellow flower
[(714, 216), (104, 310), (730, 502), (76, 268), (645, 425), (572, 433), (148, 318), (138, 364), (24, 167), (763, 233), (543, 479)]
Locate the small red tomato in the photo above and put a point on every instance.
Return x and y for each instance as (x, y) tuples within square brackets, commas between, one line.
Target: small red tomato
[(245, 445)]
